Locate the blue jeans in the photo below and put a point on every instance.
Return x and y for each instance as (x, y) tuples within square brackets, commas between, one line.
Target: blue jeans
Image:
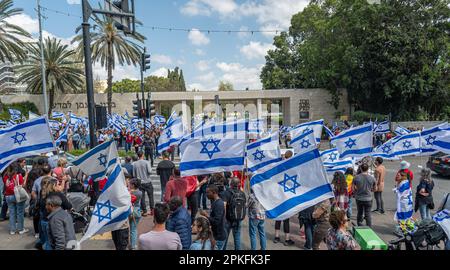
[(202, 197), (236, 228), (253, 225), (424, 212), (16, 214), (43, 235), (134, 231), (349, 209), (127, 147), (220, 245), (309, 228), (447, 245)]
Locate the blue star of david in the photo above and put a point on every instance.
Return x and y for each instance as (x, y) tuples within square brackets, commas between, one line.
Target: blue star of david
[(19, 138), (102, 160), (386, 149), (258, 155), (305, 143), (407, 144), (430, 140), (332, 157), (287, 179), (169, 133), (98, 212), (350, 143), (205, 149)]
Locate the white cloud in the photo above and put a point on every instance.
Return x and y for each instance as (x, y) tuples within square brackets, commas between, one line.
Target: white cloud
[(199, 52), (202, 65), (240, 76), (161, 59), (243, 35), (256, 50), (26, 22), (73, 2), (207, 7), (198, 38), (209, 77), (197, 86), (119, 73), (161, 72)]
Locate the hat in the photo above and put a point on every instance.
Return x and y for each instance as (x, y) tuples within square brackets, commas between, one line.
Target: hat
[(404, 165)]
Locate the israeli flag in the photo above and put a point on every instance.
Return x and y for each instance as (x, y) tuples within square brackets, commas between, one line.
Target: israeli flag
[(113, 206), (292, 185), (386, 150), (406, 145), (58, 115), (333, 162), (27, 139), (171, 134), (330, 157), (316, 126), (63, 137), (429, 136), (405, 208), (75, 119), (382, 128), (15, 114), (440, 140), (401, 131), (98, 160), (304, 142), (257, 126), (355, 142), (340, 166), (217, 147), (443, 219), (54, 125), (328, 131), (3, 123), (263, 152), (159, 120)]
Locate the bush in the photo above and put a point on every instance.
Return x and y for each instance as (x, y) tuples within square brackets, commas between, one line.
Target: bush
[(362, 116), (78, 152), (123, 154)]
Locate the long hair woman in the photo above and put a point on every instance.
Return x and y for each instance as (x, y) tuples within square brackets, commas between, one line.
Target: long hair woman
[(12, 179), (340, 191), (204, 239)]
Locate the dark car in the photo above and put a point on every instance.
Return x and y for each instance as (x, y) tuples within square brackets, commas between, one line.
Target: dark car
[(440, 164)]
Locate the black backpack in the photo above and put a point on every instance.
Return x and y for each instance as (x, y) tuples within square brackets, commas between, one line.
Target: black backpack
[(236, 207), (428, 232)]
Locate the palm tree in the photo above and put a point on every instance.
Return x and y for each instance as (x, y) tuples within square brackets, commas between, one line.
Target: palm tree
[(110, 45), (12, 46), (62, 71)]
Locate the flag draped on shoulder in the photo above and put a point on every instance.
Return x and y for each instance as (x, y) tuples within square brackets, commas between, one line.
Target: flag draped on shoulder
[(292, 185), (303, 142), (214, 147), (172, 133), (405, 208), (316, 126), (263, 152), (355, 142), (30, 138), (113, 206), (98, 161)]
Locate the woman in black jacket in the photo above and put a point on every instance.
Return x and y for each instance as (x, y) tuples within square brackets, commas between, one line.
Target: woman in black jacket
[(424, 194)]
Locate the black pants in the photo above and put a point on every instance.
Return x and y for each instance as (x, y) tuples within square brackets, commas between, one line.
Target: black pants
[(192, 202), (379, 200), (4, 208), (286, 227), (202, 197), (76, 145), (120, 238), (149, 156), (364, 212), (147, 188)]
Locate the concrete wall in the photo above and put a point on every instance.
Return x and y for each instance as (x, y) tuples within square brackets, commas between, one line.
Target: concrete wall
[(416, 124), (318, 99)]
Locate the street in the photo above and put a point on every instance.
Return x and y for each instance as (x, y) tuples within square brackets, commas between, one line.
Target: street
[(383, 224)]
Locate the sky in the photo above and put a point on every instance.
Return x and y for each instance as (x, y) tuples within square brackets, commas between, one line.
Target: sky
[(206, 59)]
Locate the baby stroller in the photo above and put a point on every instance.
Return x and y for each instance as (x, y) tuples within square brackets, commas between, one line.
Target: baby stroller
[(427, 235), (80, 210)]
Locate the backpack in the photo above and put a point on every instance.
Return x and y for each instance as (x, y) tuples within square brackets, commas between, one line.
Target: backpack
[(428, 232), (236, 207)]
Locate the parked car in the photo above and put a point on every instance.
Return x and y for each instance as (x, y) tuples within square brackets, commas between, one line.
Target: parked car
[(440, 164)]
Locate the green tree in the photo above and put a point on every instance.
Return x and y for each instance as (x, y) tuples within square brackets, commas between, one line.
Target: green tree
[(12, 48), (110, 46), (62, 71), (126, 86), (225, 86), (392, 57)]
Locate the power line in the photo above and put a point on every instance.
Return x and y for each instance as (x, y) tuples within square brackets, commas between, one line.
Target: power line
[(175, 29)]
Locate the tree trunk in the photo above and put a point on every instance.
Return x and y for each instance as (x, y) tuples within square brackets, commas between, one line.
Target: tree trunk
[(51, 100), (110, 77)]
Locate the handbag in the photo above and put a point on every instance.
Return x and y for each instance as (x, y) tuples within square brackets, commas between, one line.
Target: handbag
[(20, 193)]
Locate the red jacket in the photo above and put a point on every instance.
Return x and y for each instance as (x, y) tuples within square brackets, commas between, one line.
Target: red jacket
[(9, 184), (176, 187)]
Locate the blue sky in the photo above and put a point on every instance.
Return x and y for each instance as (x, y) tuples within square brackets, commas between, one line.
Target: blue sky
[(206, 59)]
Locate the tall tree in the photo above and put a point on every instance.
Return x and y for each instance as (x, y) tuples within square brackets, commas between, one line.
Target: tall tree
[(62, 71), (225, 86), (110, 46), (392, 57), (12, 47)]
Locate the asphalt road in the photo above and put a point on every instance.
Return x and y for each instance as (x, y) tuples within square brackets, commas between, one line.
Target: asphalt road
[(383, 225)]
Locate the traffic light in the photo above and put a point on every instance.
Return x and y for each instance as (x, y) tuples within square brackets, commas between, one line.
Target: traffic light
[(145, 62), (123, 23), (150, 108), (123, 5), (137, 108)]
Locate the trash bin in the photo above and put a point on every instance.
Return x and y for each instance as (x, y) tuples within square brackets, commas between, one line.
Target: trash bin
[(368, 239)]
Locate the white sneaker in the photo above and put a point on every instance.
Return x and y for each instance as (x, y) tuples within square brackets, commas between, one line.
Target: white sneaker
[(36, 236), (24, 231), (12, 233)]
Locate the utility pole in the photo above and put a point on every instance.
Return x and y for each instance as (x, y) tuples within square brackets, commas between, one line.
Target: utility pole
[(88, 69), (41, 45)]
